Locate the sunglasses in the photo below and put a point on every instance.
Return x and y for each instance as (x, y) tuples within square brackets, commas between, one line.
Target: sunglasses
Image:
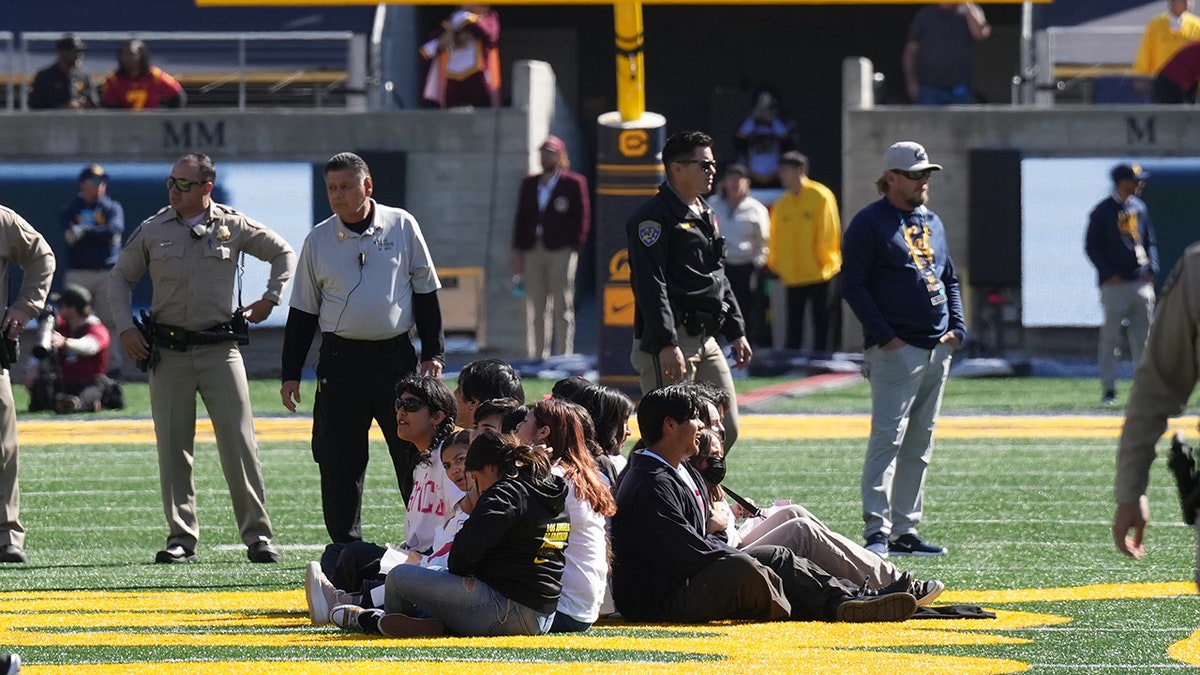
[(409, 404), (183, 184), (705, 164), (914, 175)]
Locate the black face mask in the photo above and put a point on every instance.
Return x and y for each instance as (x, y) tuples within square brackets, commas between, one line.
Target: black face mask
[(714, 473)]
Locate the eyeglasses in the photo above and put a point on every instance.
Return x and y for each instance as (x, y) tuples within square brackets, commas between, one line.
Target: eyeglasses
[(183, 184), (705, 164), (914, 175), (409, 404)]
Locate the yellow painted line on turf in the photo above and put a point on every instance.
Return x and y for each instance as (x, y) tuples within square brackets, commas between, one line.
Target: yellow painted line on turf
[(753, 427), (68, 625)]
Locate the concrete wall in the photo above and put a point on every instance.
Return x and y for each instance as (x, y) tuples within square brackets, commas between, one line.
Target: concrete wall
[(950, 133), (463, 166)]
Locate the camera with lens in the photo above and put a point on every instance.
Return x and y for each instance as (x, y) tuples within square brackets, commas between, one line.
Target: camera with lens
[(47, 321)]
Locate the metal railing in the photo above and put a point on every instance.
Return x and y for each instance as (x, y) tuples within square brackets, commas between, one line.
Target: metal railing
[(222, 56)]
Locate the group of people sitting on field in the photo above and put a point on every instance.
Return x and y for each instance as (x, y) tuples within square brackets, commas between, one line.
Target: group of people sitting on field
[(530, 521)]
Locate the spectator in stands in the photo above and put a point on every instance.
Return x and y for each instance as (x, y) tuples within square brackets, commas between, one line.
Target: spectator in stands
[(464, 60), (939, 53), (550, 228), (762, 138), (1176, 82), (70, 378), (93, 225), (137, 85), (1165, 35), (63, 84), (806, 249), (745, 224)]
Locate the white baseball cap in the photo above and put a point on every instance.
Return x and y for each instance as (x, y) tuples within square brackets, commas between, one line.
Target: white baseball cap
[(907, 156)]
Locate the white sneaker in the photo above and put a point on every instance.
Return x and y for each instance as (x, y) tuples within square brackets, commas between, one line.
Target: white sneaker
[(322, 596)]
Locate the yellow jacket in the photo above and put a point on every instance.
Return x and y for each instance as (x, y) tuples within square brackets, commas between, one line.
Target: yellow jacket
[(1160, 43), (806, 236)]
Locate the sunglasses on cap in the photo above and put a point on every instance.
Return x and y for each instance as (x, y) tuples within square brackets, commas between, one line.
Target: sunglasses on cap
[(182, 184), (914, 175), (409, 404)]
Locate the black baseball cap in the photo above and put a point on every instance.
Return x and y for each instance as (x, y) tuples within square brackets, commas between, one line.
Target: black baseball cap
[(70, 43), (1122, 172), (93, 172)]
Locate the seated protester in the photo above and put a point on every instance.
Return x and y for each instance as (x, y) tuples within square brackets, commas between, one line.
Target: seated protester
[(665, 566), (568, 387), (71, 377), (482, 380), (505, 568), (424, 417), (513, 419), (798, 530), (558, 427), (610, 410), (491, 413), (323, 595)]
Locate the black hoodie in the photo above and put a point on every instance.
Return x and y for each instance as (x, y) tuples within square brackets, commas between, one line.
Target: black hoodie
[(514, 541)]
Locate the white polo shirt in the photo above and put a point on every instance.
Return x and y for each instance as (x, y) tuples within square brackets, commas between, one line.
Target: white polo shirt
[(360, 286)]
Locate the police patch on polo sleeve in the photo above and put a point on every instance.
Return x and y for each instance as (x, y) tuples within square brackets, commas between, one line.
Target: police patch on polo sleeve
[(649, 231)]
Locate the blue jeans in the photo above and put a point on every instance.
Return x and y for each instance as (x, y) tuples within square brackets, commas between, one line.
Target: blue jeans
[(466, 605)]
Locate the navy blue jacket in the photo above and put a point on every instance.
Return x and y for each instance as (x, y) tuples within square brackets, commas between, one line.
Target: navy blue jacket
[(1111, 247), (882, 284), (101, 228), (658, 537)]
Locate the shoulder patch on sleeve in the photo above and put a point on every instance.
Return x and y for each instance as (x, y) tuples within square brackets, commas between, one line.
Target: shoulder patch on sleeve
[(649, 232)]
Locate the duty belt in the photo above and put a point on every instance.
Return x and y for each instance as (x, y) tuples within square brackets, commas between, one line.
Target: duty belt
[(180, 340)]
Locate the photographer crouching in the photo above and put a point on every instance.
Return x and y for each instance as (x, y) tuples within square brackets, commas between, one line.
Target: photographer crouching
[(72, 359)]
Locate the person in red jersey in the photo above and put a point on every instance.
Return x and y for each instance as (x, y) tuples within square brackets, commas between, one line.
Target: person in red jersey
[(137, 85)]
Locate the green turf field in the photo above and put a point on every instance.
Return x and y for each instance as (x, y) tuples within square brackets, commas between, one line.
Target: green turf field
[(1026, 520)]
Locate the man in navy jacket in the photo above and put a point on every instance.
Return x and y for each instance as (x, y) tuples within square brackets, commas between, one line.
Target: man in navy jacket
[(667, 569)]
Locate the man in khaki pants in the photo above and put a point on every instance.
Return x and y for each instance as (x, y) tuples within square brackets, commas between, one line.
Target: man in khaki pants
[(192, 250), (550, 228), (23, 247)]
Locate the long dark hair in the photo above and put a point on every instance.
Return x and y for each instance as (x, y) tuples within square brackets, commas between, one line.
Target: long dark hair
[(509, 455), (434, 394), (569, 447), (610, 410)]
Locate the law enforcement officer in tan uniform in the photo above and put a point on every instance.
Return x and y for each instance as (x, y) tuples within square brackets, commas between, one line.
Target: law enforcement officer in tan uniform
[(23, 247), (1162, 384), (192, 250)]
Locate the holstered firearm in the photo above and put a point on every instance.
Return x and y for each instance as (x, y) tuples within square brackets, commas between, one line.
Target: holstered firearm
[(8, 352), (147, 328)]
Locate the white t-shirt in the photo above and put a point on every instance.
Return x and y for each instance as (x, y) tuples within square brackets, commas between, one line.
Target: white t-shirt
[(433, 497), (586, 571)]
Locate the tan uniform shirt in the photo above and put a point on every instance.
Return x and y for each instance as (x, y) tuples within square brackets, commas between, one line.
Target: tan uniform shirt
[(195, 278), (1164, 378), (25, 247)]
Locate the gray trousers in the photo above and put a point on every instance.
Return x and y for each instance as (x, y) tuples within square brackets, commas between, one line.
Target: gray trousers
[(704, 361), (217, 373), (1131, 301), (11, 531), (906, 394)]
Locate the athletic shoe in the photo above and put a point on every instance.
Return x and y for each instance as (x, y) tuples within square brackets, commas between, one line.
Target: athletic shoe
[(1109, 397), (322, 595), (890, 607), (11, 553), (262, 552), (10, 664), (175, 553), (402, 625), (924, 591), (878, 544), (911, 544), (355, 618)]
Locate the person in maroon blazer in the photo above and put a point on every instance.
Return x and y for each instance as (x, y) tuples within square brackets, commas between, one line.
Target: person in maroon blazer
[(551, 226)]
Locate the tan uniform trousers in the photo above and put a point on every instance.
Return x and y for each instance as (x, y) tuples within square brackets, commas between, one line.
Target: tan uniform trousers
[(11, 531), (217, 372), (96, 281), (549, 300), (704, 361), (798, 530)]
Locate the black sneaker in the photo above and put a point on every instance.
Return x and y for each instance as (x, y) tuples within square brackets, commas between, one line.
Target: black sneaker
[(262, 552), (175, 554), (890, 607), (10, 664), (402, 625), (11, 553), (1109, 397), (924, 591), (911, 544), (878, 544)]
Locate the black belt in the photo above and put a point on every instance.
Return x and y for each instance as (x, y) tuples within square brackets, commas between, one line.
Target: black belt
[(367, 346), (180, 340)]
